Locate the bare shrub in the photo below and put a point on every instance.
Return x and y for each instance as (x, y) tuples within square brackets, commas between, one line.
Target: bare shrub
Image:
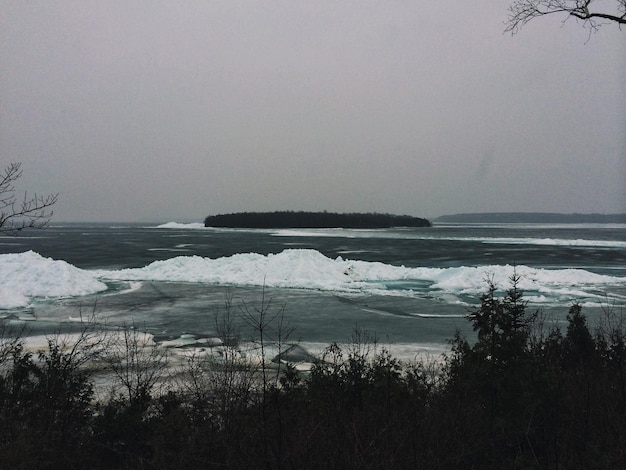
[(137, 363)]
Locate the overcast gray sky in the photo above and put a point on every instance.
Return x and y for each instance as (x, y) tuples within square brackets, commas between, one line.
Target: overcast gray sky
[(174, 110)]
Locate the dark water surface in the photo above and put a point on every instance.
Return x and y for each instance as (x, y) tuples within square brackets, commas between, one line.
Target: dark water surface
[(411, 313)]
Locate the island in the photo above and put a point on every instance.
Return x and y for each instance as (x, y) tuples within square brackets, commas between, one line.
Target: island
[(301, 219)]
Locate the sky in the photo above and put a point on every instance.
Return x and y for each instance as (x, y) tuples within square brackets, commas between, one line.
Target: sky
[(172, 110)]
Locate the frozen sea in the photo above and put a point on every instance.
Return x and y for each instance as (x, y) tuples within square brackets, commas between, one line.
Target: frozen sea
[(411, 287)]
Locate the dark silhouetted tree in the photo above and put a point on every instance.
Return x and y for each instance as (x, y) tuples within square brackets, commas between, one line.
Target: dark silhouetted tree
[(593, 13), (27, 212)]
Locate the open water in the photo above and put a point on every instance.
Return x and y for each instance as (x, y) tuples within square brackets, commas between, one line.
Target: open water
[(411, 287)]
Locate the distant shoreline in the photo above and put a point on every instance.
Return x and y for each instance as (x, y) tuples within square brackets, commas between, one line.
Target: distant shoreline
[(533, 217), (290, 219)]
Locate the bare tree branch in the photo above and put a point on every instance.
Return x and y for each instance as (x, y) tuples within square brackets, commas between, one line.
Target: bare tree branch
[(137, 363), (27, 212), (523, 11)]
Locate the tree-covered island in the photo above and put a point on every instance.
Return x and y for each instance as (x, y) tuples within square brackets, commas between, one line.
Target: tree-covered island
[(301, 219)]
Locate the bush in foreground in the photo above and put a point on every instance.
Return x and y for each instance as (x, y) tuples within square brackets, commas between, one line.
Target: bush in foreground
[(521, 395)]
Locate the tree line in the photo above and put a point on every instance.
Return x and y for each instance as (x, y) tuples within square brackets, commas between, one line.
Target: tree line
[(524, 393), (532, 218)]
